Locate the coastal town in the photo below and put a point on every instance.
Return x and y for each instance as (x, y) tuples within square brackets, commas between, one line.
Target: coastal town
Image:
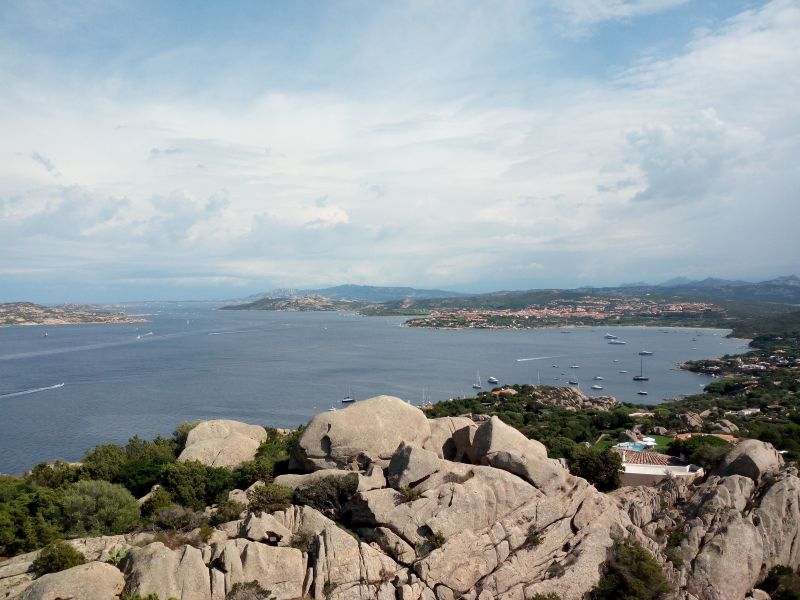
[(589, 310), (28, 313)]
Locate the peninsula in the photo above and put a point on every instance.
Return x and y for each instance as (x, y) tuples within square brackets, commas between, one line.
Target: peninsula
[(28, 313)]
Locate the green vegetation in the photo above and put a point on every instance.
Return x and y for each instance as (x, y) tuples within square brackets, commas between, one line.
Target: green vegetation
[(98, 496), (550, 596), (328, 494), (251, 590), (270, 497), (703, 450), (632, 574), (57, 556), (782, 583)]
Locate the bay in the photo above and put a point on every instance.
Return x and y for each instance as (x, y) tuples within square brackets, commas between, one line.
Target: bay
[(191, 361)]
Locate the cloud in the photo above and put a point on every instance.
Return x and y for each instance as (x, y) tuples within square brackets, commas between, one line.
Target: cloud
[(46, 163), (426, 159)]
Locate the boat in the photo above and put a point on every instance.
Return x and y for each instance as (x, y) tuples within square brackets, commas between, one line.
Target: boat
[(477, 385), (640, 376), (616, 360), (610, 336), (617, 342), (45, 334), (623, 371), (645, 353), (332, 409), (572, 382), (597, 378), (642, 393), (493, 380), (575, 367), (597, 387)]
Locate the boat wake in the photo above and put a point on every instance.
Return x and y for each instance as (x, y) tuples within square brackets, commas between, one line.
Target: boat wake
[(32, 391), (227, 332), (540, 358)]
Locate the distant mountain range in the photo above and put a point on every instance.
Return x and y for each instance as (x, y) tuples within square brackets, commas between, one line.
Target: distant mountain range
[(369, 294)]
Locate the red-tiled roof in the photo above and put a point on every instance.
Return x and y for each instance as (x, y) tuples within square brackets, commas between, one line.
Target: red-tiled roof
[(631, 457)]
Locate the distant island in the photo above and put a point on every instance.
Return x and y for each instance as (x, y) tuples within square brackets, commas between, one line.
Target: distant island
[(28, 313), (745, 307)]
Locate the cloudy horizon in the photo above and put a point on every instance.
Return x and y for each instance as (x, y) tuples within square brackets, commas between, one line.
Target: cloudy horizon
[(159, 150)]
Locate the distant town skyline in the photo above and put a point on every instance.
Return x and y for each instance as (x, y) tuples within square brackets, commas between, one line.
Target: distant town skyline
[(163, 150)]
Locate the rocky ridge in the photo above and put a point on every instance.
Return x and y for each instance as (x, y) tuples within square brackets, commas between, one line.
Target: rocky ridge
[(450, 508)]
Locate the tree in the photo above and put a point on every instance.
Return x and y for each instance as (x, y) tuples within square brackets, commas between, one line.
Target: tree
[(196, 485), (53, 475), (703, 450), (105, 462), (600, 467), (98, 508), (328, 494)]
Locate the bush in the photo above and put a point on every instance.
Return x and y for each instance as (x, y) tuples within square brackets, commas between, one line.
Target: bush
[(327, 494), (550, 596), (703, 450), (230, 510), (57, 556), (178, 518), (600, 467), (30, 517), (181, 433), (632, 574), (270, 497), (158, 500), (104, 462), (98, 508), (195, 485), (251, 590), (782, 583), (408, 494), (54, 475)]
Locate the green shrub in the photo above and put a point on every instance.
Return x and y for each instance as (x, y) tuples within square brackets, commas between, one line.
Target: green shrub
[(158, 500), (270, 497), (178, 518), (556, 570), (196, 485), (104, 462), (55, 475), (600, 467), (251, 590), (98, 508), (181, 433), (550, 596), (703, 450), (327, 494), (631, 574), (782, 583), (534, 539), (408, 494), (230, 510), (30, 516), (302, 541), (57, 556), (117, 555)]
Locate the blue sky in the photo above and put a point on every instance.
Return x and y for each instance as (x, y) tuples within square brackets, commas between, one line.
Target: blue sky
[(173, 150)]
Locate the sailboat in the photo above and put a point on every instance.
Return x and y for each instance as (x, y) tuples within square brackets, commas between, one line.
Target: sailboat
[(349, 398), (640, 376), (477, 385)]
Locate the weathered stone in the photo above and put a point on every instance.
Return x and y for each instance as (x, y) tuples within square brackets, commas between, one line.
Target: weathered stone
[(691, 420), (451, 438), (280, 570), (155, 569), (263, 527), (369, 480), (726, 426), (91, 581), (367, 431), (223, 443), (751, 458)]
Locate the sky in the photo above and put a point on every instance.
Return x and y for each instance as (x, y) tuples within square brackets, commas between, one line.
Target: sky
[(210, 150)]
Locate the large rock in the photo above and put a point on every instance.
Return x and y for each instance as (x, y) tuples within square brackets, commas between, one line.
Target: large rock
[(452, 437), (751, 458), (92, 581), (367, 431), (371, 479), (155, 569), (280, 570), (223, 443)]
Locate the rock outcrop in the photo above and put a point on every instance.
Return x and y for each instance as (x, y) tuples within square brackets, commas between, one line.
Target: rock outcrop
[(572, 398), (223, 443), (751, 458), (365, 432), (454, 508), (92, 581)]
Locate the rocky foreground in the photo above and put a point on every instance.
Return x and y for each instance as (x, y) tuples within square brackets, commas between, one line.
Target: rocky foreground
[(448, 508)]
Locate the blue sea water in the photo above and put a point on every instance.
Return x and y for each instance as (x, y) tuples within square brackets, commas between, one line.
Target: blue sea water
[(280, 369)]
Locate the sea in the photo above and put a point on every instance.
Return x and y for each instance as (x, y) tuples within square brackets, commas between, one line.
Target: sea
[(82, 385)]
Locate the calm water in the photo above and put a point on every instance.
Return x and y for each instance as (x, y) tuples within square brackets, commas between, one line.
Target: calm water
[(280, 369)]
